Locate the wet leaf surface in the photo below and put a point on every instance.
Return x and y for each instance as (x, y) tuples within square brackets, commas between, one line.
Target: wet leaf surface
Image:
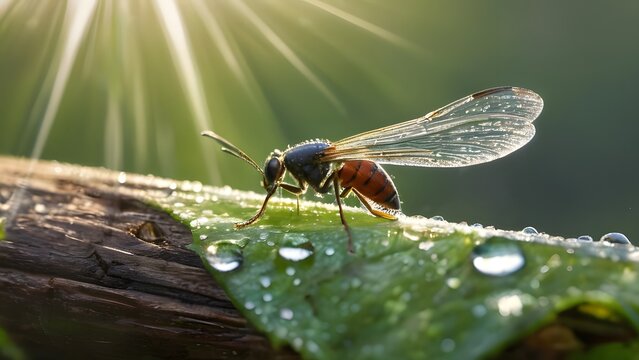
[(414, 288)]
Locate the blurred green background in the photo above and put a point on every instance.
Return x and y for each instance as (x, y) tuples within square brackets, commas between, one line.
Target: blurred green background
[(130, 84)]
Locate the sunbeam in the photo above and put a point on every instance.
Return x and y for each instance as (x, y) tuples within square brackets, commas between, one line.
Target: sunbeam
[(287, 52), (138, 85), (363, 24), (4, 6), (113, 142), (79, 13), (219, 40), (139, 113), (177, 37)]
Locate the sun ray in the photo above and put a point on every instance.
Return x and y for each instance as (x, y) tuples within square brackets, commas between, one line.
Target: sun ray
[(180, 49), (219, 40), (287, 52), (79, 13), (133, 77), (5, 5), (113, 142), (363, 24), (139, 115)]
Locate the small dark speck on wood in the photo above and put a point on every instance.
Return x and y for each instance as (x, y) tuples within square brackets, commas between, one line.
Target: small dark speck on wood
[(91, 271)]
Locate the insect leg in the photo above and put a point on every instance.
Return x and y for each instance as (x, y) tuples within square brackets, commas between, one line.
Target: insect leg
[(296, 190), (341, 213), (372, 210), (345, 192), (259, 213)]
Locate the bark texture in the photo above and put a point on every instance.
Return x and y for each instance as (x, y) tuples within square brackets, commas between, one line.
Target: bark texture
[(87, 270)]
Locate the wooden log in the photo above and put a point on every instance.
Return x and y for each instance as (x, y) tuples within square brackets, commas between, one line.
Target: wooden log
[(86, 270)]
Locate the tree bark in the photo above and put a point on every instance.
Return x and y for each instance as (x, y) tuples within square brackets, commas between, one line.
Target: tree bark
[(87, 270)]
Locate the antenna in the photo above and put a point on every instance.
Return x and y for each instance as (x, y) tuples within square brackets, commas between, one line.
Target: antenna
[(229, 148)]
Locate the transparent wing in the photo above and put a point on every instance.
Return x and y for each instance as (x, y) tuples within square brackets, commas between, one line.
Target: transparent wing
[(478, 128)]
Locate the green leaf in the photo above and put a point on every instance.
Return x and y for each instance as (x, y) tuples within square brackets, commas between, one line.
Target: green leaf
[(8, 350), (2, 235), (414, 288)]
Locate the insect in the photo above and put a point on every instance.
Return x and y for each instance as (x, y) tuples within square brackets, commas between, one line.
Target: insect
[(475, 129)]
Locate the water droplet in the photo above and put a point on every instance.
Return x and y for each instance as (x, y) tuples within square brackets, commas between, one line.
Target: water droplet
[(426, 245), (224, 256), (290, 271), (249, 305), (479, 310), (297, 343), (616, 238), (196, 186), (296, 247), (286, 314), (534, 284), (438, 218), (265, 281), (312, 347), (297, 281), (267, 297), (510, 305), (497, 258), (203, 237), (530, 230), (448, 345), (477, 225), (329, 252), (295, 253), (586, 238), (122, 177), (453, 282)]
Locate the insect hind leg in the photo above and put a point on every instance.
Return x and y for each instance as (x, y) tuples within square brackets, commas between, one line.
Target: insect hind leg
[(341, 213)]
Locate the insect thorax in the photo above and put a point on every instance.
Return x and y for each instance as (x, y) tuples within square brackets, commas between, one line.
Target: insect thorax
[(302, 161)]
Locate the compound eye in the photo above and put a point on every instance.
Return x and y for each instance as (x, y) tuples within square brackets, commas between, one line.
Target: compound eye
[(272, 170)]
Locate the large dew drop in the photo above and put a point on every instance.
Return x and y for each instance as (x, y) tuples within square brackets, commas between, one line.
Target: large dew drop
[(498, 258), (616, 238), (296, 247), (295, 253), (224, 256)]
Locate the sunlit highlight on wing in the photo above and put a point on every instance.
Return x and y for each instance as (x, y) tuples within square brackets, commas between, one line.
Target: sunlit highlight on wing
[(476, 129)]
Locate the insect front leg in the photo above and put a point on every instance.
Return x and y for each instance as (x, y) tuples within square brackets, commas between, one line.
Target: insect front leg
[(259, 213)]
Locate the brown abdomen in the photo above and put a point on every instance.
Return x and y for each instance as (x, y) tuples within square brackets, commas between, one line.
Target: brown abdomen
[(370, 180)]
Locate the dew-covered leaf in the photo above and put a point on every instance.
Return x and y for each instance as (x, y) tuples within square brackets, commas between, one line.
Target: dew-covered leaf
[(414, 288)]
